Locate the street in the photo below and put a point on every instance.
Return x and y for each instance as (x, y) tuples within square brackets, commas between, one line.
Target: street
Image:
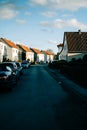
[(38, 102)]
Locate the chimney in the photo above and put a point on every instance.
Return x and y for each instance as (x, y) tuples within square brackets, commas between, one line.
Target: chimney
[(79, 31)]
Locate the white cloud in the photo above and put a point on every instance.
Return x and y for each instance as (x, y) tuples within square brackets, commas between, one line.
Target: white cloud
[(61, 4), (59, 23), (21, 21), (77, 24), (45, 23), (47, 30), (52, 42), (49, 14), (38, 2), (8, 11)]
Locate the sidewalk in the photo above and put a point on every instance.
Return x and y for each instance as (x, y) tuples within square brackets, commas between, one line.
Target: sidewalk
[(68, 85)]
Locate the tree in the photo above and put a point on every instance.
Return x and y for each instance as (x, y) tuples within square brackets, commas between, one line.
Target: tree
[(50, 50)]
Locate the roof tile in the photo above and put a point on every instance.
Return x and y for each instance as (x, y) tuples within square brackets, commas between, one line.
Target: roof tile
[(77, 42), (36, 50), (10, 43), (25, 48)]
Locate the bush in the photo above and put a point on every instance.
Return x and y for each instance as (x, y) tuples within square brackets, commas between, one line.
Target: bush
[(57, 64), (85, 59)]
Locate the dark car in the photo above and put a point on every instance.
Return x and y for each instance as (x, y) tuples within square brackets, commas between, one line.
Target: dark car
[(25, 64), (19, 68), (7, 76), (13, 66)]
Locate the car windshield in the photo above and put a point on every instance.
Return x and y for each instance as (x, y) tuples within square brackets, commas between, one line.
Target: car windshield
[(10, 65)]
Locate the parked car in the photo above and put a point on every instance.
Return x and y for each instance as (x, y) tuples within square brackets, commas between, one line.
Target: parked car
[(7, 76), (25, 64), (19, 68), (13, 66)]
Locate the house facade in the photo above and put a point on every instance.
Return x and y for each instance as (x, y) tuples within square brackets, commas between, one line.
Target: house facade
[(74, 46), (38, 55), (48, 56), (25, 53), (3, 51), (19, 52), (10, 50)]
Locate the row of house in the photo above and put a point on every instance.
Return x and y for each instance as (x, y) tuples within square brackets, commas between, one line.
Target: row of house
[(74, 46), (19, 52)]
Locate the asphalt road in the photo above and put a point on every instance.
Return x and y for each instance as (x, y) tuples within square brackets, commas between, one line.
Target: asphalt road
[(38, 102)]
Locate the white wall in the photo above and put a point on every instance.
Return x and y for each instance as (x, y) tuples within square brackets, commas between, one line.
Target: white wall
[(40, 57), (14, 54), (51, 57), (63, 54), (46, 57), (75, 55), (3, 51), (30, 55)]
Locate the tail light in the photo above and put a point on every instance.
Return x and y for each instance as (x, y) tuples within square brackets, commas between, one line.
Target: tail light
[(4, 78)]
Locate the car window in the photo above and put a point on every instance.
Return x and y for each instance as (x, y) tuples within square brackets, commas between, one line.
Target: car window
[(18, 64), (10, 65), (8, 68)]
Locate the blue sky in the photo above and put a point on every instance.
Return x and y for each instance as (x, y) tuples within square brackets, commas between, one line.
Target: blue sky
[(41, 23)]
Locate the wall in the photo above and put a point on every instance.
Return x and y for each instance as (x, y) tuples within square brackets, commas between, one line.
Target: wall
[(63, 54), (30, 56), (40, 57), (75, 55), (3, 51), (14, 54)]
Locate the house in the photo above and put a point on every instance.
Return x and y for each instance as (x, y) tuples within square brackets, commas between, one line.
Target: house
[(10, 50), (74, 46), (60, 48), (48, 56), (38, 55), (3, 51), (25, 53), (51, 56)]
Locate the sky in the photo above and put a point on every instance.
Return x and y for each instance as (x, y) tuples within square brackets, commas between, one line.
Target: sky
[(41, 23)]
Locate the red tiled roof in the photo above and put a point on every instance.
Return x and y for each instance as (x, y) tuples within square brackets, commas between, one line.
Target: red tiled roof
[(36, 50), (48, 52), (43, 51), (76, 41), (10, 43), (25, 48)]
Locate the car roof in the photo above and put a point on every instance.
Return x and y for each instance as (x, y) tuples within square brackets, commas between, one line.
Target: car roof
[(9, 62)]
